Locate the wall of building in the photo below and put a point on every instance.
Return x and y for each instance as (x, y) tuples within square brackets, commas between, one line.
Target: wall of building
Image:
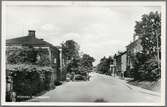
[(132, 49), (123, 62), (55, 61)]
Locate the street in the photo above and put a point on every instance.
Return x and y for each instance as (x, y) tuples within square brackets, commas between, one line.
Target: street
[(100, 88)]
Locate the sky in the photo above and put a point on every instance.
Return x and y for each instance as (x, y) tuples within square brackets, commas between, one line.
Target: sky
[(99, 30)]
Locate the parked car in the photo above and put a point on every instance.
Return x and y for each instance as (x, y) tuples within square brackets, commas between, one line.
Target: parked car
[(80, 77)]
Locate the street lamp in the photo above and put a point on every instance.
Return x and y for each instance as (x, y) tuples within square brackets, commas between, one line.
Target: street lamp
[(157, 49)]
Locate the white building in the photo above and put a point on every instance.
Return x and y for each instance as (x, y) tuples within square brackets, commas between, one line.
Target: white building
[(123, 63)]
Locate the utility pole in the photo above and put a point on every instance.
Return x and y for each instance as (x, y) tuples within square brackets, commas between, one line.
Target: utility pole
[(158, 59), (157, 50)]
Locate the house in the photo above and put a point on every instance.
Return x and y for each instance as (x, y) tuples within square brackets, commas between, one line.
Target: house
[(117, 62), (120, 61), (32, 41), (123, 63), (132, 49)]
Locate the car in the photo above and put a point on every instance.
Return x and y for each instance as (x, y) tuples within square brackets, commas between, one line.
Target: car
[(80, 77)]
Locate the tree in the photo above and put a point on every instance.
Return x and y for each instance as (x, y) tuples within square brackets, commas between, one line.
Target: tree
[(139, 69), (104, 65), (149, 30), (86, 63), (73, 66), (70, 52), (146, 63)]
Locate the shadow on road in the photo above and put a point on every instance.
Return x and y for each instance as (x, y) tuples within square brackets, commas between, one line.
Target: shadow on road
[(100, 100)]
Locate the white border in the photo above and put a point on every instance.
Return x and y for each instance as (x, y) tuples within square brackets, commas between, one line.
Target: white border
[(82, 3)]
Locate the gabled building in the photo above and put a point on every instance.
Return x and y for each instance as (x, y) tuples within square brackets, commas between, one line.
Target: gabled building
[(32, 41)]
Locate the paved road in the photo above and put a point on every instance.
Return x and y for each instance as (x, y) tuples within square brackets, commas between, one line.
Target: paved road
[(99, 88)]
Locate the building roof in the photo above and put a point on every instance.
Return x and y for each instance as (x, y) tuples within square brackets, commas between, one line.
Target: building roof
[(119, 55), (132, 44), (122, 53), (28, 40)]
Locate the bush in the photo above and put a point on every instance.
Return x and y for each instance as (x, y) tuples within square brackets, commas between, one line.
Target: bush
[(147, 70), (153, 72), (127, 74), (29, 80)]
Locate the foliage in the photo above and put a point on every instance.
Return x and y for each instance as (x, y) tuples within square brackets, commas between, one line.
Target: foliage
[(43, 55), (104, 65), (70, 49), (149, 30), (73, 62), (27, 55), (80, 66), (145, 69), (73, 66), (86, 63), (70, 53), (29, 80), (27, 68), (145, 63), (127, 73), (20, 55)]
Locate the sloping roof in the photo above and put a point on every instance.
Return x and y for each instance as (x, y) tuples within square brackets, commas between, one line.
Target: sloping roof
[(132, 44), (28, 40), (119, 55)]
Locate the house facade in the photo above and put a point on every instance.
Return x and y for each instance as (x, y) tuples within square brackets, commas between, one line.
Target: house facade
[(32, 41), (132, 49), (117, 64), (123, 63), (120, 63)]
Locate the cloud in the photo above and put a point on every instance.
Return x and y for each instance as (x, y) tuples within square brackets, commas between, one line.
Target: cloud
[(100, 31), (49, 27)]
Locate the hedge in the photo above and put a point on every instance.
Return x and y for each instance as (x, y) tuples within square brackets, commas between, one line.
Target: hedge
[(146, 68), (29, 80)]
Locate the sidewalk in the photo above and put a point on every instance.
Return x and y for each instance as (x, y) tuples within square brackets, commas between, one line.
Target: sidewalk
[(136, 88)]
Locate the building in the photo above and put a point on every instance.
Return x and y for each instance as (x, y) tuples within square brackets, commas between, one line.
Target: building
[(36, 43), (120, 61), (123, 63), (113, 68), (132, 49), (117, 61)]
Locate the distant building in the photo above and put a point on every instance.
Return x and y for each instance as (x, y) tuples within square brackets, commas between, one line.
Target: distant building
[(123, 63), (117, 64), (31, 40), (120, 63), (132, 49), (112, 69)]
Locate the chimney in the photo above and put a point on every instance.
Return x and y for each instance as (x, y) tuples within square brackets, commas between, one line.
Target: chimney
[(31, 33)]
